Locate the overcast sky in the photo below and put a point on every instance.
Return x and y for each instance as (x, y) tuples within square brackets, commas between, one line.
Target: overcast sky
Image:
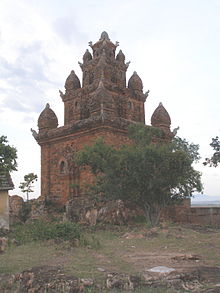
[(173, 45)]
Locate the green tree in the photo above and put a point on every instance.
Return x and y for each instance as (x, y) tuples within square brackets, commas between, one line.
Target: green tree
[(8, 156), (27, 185), (150, 173), (215, 159)]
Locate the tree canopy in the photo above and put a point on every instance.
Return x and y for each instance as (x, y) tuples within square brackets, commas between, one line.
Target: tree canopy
[(27, 185), (8, 156), (215, 159), (150, 172)]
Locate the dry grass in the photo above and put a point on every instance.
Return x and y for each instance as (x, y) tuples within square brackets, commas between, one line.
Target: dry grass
[(123, 250)]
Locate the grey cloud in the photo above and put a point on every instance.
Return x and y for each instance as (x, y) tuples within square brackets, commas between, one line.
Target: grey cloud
[(67, 29), (26, 79), (29, 120)]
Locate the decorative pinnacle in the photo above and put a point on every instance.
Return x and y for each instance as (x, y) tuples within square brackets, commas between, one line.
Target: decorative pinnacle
[(104, 36), (47, 105), (127, 63), (147, 93)]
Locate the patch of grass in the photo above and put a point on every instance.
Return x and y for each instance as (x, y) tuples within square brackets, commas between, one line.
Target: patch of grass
[(40, 230), (108, 249), (22, 257)]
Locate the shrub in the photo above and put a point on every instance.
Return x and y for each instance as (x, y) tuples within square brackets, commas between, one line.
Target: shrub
[(40, 230)]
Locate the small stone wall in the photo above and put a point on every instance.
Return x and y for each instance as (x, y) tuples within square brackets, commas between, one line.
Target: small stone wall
[(4, 210), (194, 215), (15, 208), (205, 215)]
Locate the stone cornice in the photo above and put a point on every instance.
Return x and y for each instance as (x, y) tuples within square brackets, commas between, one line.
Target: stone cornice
[(96, 122)]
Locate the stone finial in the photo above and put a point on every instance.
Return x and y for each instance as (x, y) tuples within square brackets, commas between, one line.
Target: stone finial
[(175, 130), (135, 82), (120, 57), (87, 56), (34, 133), (104, 36), (128, 63), (72, 81), (47, 119), (160, 117), (61, 94), (147, 93)]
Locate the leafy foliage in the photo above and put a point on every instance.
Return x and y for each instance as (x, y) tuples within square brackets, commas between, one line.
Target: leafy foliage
[(150, 172), (191, 149), (215, 159), (41, 230), (8, 156), (27, 185), (25, 211)]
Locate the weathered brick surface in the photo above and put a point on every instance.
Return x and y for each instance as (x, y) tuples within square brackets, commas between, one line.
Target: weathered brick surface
[(102, 107)]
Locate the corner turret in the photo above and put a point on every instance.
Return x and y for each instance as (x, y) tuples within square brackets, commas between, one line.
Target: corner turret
[(135, 82), (87, 56), (120, 56), (47, 119), (72, 82), (161, 119)]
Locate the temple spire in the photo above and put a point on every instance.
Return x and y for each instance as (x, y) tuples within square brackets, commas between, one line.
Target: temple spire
[(104, 36)]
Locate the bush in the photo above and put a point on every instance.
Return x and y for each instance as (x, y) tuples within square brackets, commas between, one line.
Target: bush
[(25, 211), (40, 230)]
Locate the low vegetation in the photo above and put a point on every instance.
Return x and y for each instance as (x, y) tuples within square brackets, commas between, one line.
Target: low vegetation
[(119, 249), (39, 231)]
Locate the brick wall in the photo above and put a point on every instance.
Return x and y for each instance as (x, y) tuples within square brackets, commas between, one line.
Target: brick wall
[(60, 177)]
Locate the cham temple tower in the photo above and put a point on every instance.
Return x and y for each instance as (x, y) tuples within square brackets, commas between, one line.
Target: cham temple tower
[(102, 105)]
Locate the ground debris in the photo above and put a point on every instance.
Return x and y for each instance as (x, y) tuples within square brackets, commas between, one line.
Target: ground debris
[(176, 279), (185, 257), (3, 244), (122, 281), (43, 279)]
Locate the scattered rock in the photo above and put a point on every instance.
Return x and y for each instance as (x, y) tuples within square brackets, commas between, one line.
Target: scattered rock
[(188, 280), (122, 281), (53, 279), (14, 242), (44, 279), (3, 244), (87, 282), (101, 269), (152, 233), (91, 217), (133, 236), (186, 257)]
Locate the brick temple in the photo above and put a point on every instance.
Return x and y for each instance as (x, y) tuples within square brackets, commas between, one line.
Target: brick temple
[(103, 104)]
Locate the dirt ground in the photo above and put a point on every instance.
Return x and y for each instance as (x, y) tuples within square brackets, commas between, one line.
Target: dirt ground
[(192, 252)]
